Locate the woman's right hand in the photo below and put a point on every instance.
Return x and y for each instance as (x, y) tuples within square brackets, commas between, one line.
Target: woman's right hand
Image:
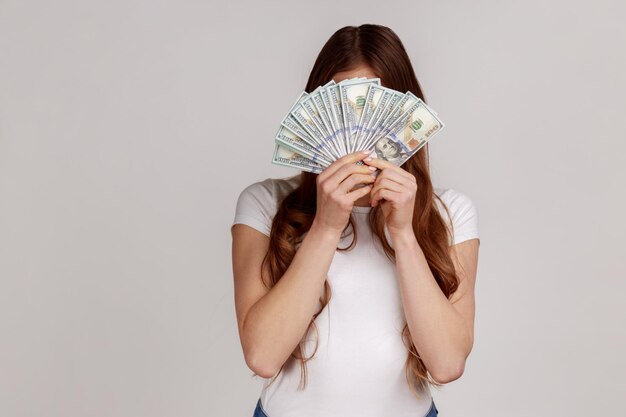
[(334, 184)]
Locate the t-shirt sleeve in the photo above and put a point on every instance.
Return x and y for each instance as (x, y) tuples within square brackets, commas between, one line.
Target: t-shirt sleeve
[(255, 207), (464, 216)]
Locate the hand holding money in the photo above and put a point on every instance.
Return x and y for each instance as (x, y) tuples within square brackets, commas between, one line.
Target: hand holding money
[(336, 192)]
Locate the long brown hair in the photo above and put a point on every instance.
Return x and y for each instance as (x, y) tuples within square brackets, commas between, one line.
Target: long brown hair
[(379, 48)]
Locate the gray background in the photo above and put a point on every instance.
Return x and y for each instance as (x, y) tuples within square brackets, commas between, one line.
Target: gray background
[(127, 130)]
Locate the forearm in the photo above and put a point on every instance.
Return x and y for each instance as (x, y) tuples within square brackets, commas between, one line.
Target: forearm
[(439, 332), (277, 322)]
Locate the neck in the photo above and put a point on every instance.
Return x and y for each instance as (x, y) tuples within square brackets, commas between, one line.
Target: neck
[(363, 201)]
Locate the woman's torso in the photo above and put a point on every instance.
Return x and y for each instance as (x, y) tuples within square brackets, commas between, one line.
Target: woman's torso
[(359, 365)]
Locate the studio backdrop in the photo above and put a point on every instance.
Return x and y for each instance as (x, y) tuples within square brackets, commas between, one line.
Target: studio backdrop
[(128, 129)]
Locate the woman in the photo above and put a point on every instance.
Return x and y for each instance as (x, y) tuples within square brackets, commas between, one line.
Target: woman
[(341, 326)]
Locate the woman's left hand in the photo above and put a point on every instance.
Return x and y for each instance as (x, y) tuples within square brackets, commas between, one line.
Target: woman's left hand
[(395, 190)]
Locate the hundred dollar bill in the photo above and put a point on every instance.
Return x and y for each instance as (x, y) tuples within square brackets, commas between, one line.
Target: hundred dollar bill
[(286, 138), (376, 118), (287, 157), (386, 116), (338, 108), (314, 106), (353, 97), (383, 101), (302, 113), (401, 106), (312, 110), (334, 108), (329, 116), (374, 93), (299, 122), (408, 134)]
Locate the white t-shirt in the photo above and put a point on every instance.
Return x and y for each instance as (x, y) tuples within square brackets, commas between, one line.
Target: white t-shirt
[(358, 369)]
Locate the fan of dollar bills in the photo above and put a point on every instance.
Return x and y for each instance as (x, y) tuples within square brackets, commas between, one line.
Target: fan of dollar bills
[(353, 115)]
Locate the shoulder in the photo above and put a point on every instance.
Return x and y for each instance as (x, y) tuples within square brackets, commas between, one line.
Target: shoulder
[(456, 200), (269, 191), (463, 214), (257, 202)]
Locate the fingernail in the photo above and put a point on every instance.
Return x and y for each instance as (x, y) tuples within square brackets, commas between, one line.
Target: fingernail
[(365, 152), (369, 158), (372, 168)]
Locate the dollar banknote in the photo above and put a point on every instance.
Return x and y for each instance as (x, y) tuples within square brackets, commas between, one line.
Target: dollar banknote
[(355, 114)]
